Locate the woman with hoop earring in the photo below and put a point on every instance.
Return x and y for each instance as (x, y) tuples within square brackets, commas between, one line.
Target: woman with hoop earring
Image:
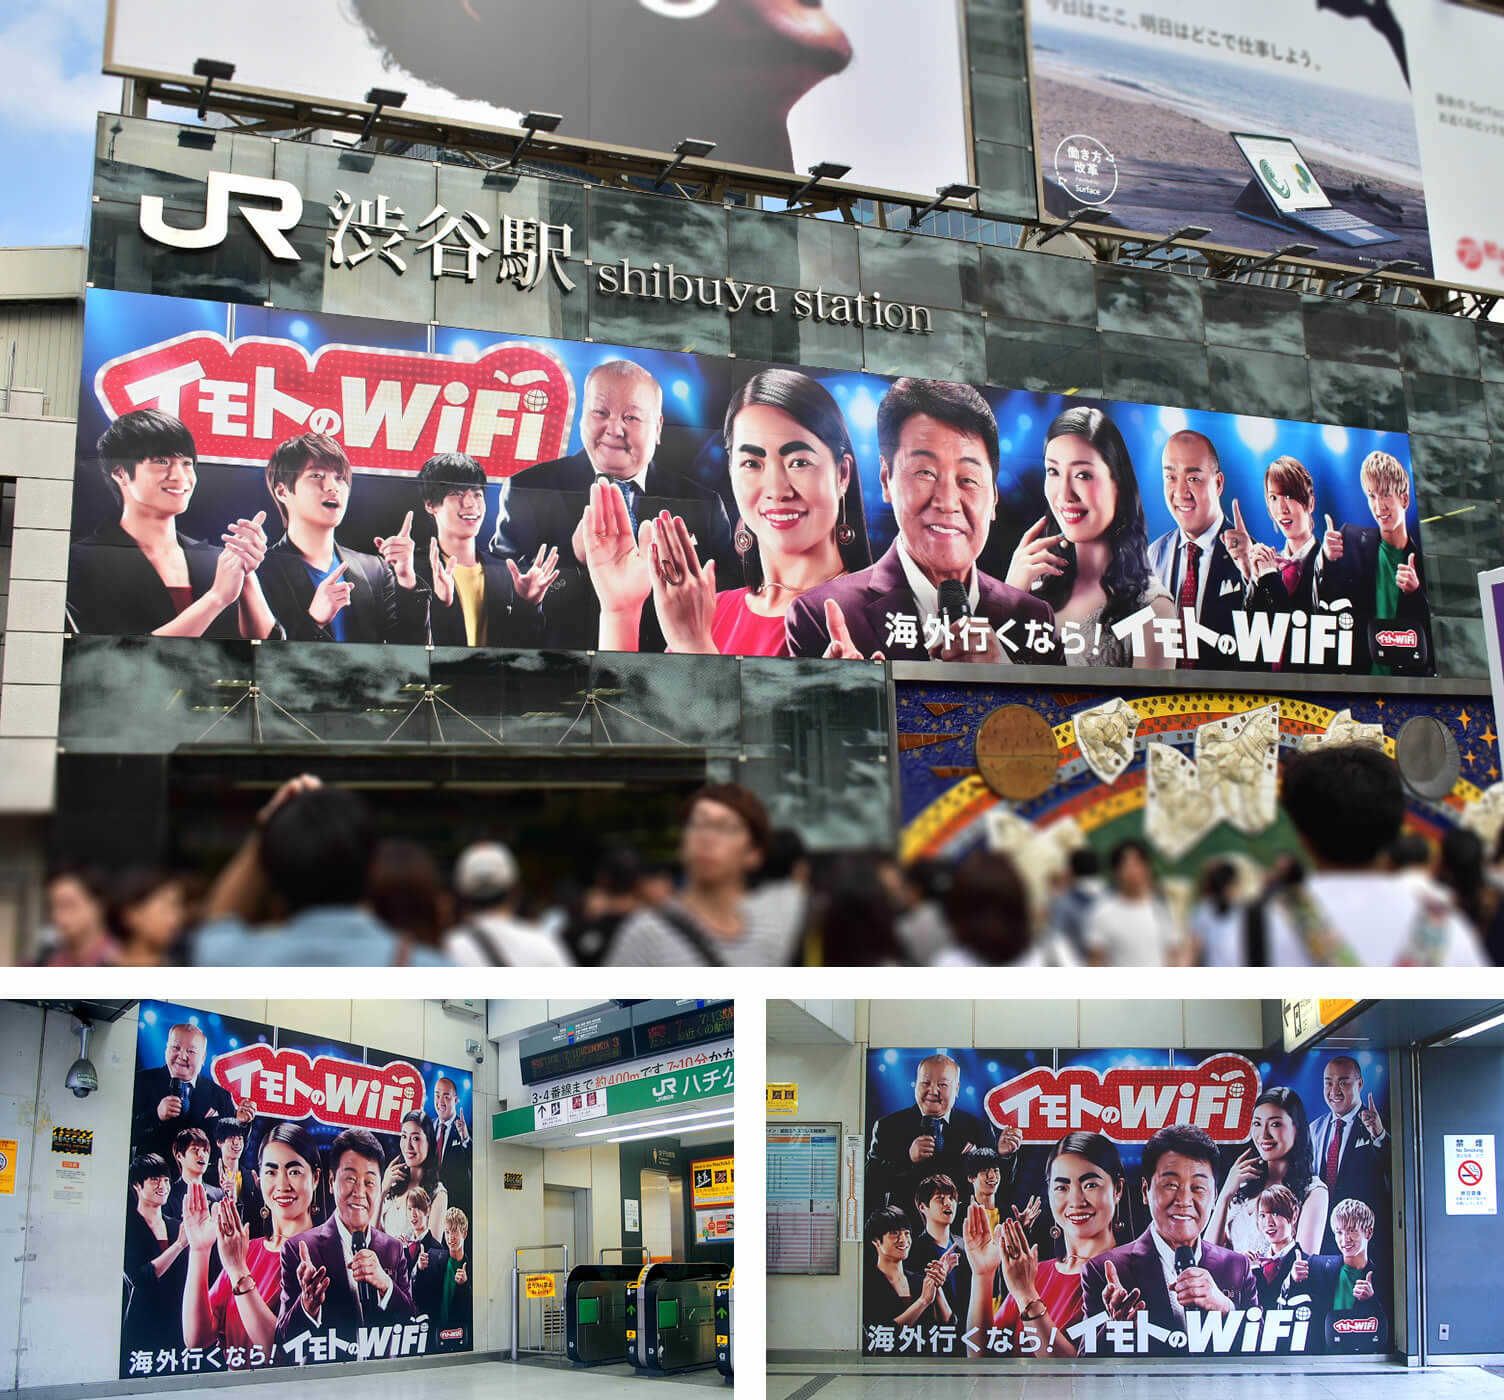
[(1084, 1182), (800, 524)]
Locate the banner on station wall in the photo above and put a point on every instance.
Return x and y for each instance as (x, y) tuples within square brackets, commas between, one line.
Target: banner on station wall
[(774, 87), (1356, 130), (256, 1152), (1200, 1193), (331, 479)]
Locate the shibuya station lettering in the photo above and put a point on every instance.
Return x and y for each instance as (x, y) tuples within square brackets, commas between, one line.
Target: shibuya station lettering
[(511, 407), (1129, 1104), (342, 1093), (460, 244), (664, 282)]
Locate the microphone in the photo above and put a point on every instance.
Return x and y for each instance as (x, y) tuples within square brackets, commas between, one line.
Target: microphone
[(365, 1292), (953, 605), (1185, 1258)]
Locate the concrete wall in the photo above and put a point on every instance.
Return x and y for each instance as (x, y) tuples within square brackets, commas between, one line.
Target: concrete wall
[(70, 1269), (821, 1312)]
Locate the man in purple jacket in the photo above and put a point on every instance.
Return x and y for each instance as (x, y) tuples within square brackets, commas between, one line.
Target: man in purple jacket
[(1169, 1269), (939, 447), (345, 1274)]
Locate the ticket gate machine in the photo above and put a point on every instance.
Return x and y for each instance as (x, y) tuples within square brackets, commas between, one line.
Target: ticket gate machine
[(671, 1316), (595, 1312), (725, 1322)]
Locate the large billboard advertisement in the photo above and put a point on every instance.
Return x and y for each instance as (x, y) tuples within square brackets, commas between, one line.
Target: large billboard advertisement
[(253, 472), (1288, 122), (291, 1200), (1358, 130), (776, 84), (1117, 1203)]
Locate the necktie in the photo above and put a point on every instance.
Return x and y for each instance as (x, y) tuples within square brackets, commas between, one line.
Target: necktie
[(1290, 573), (1333, 1157), (1189, 587), (443, 1138), (628, 491), (1271, 1268)]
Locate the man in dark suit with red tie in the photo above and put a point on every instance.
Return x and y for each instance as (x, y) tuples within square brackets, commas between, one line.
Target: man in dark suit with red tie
[(452, 1143), (1350, 1147), (344, 1274), (1192, 560)]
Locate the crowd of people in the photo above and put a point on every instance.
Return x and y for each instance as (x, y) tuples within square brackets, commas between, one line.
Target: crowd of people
[(314, 884)]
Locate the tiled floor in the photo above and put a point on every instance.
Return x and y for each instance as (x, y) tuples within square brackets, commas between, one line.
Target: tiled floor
[(1222, 1383), (484, 1380)]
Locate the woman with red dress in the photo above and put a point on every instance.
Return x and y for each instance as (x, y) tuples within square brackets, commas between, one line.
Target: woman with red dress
[(800, 524), (239, 1313), (1084, 1182)]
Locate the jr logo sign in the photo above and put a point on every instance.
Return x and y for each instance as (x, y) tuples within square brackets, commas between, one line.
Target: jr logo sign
[(269, 225)]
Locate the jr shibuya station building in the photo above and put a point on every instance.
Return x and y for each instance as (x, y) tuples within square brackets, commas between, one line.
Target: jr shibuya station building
[(548, 443)]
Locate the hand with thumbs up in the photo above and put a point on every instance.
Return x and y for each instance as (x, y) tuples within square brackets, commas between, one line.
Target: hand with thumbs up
[(397, 550), (1331, 542), (1369, 1117), (1239, 543), (1363, 1288), (1407, 577), (331, 595)]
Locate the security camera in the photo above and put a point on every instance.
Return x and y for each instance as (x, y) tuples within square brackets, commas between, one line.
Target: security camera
[(82, 1078), (474, 1049)]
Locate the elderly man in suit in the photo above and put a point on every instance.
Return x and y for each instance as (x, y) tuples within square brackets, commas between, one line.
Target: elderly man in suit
[(177, 1094), (1169, 1269), (939, 448), (324, 591), (930, 1139), (1350, 1145), (345, 1274), (1192, 560), (621, 427)]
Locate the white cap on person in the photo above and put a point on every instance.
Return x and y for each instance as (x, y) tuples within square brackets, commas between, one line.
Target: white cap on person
[(485, 872)]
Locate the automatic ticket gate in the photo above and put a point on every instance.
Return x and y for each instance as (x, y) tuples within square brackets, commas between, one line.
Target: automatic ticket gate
[(671, 1316), (725, 1328), (595, 1312)]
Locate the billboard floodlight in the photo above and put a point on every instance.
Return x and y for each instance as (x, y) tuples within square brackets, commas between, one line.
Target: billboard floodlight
[(210, 69), (825, 170), (690, 148), (945, 192), (532, 123)]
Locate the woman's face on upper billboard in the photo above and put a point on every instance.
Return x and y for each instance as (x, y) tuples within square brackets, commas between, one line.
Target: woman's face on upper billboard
[(1079, 488), (806, 23), (287, 1181), (1273, 1132), (414, 1145), (1293, 516), (787, 483)]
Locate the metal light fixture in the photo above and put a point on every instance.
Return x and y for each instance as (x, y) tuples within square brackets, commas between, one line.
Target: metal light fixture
[(210, 70), (532, 123), (944, 192), (825, 170), (690, 148), (379, 97)]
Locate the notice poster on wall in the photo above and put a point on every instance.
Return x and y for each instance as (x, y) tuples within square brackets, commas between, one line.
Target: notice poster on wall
[(771, 86), (341, 480), (1125, 1203), (1472, 1184), (291, 1200)]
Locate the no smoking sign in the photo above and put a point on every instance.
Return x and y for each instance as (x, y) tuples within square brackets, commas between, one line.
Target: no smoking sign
[(1471, 1177)]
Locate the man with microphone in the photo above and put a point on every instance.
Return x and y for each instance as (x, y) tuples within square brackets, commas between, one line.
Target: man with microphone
[(927, 598), (344, 1274), (177, 1094), (931, 1139), (1170, 1270)]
